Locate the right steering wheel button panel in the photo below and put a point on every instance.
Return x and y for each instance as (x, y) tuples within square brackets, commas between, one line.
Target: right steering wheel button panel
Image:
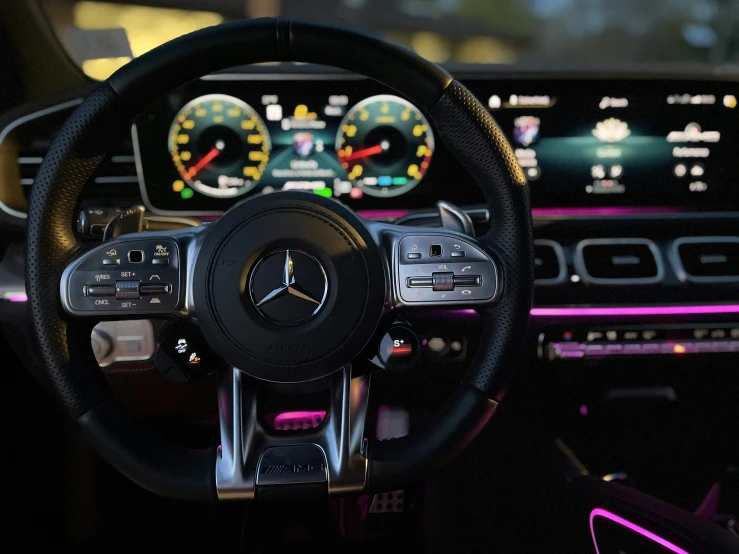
[(438, 276)]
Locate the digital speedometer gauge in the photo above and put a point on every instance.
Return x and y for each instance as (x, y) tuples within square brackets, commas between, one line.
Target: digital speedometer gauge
[(219, 146), (385, 145)]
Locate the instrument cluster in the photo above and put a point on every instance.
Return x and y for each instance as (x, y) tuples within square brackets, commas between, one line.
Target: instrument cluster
[(224, 146)]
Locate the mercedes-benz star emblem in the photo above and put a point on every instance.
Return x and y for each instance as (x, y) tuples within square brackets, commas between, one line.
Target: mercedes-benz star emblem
[(298, 295)]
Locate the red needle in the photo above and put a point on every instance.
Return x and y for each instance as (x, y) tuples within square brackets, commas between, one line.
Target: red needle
[(205, 160), (371, 151)]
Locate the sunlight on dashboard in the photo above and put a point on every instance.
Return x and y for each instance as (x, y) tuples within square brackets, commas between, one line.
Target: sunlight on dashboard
[(145, 27)]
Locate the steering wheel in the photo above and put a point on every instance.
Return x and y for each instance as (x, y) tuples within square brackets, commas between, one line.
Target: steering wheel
[(287, 287)]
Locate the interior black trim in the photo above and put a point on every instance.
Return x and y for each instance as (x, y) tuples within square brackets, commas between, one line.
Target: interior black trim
[(141, 455)]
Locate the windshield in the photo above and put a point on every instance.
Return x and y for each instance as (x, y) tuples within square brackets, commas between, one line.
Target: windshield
[(102, 36)]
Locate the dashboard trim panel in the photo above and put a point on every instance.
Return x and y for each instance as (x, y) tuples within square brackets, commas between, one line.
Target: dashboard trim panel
[(25, 119)]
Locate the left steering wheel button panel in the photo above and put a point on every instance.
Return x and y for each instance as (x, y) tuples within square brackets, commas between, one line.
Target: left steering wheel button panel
[(126, 287)]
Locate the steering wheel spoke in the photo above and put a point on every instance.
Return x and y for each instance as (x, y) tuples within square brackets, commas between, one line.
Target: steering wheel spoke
[(137, 275), (254, 458), (431, 267)]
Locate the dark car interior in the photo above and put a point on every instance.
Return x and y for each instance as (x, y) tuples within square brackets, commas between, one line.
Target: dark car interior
[(420, 276)]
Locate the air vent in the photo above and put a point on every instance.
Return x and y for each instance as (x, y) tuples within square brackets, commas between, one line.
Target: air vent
[(619, 262), (549, 263), (706, 259), (119, 169), (30, 137)]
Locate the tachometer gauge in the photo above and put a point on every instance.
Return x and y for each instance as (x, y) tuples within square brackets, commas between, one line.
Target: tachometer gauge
[(385, 144), (219, 145)]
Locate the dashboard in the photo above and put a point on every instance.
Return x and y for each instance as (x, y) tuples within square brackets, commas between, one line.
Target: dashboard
[(636, 208), (659, 145)]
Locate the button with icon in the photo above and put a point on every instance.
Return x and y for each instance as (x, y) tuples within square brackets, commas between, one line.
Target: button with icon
[(398, 348)]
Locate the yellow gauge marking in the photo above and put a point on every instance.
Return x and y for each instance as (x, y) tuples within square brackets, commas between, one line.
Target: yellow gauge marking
[(393, 112), (419, 130), (300, 111), (355, 173), (187, 120)]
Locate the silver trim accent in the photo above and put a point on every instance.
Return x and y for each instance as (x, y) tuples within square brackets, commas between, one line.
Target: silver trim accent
[(579, 262), (560, 253), (35, 115), (123, 159), (11, 211), (117, 179), (458, 219), (673, 254), (288, 285), (244, 439), (25, 119), (426, 214), (138, 331)]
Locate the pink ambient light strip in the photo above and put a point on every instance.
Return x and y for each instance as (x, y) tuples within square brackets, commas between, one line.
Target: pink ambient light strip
[(600, 512), (604, 210), (635, 311)]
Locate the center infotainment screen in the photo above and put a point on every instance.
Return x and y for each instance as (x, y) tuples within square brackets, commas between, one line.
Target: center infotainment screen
[(605, 143)]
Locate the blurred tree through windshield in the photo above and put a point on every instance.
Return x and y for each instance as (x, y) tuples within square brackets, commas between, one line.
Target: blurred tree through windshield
[(570, 32)]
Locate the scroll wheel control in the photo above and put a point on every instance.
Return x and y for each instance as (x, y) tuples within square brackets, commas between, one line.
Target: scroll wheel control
[(442, 281), (127, 290)]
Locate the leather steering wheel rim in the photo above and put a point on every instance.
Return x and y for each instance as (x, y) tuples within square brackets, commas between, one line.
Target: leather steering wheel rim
[(69, 369)]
